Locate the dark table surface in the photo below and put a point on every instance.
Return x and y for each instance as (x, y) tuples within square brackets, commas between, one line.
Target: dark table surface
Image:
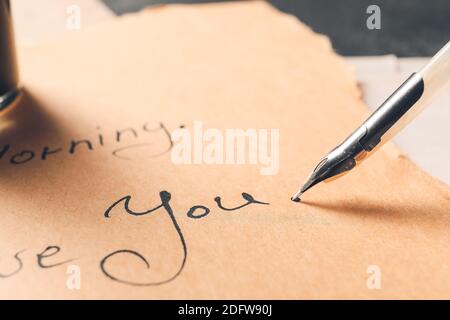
[(408, 27)]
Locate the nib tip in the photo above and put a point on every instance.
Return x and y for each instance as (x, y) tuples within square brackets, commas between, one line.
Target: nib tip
[(296, 197)]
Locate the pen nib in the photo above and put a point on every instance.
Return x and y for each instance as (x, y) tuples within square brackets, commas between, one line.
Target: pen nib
[(296, 197), (311, 182)]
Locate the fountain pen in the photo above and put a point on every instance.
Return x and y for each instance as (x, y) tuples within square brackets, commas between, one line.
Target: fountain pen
[(394, 114)]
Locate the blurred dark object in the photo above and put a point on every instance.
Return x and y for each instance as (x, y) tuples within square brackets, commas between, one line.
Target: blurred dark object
[(408, 27), (8, 65)]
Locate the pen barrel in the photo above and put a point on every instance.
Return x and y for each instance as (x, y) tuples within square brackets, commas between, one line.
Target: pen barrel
[(436, 73), (394, 114), (9, 77), (409, 100)]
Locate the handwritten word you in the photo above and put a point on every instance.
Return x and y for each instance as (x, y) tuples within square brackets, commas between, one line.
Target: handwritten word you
[(195, 212)]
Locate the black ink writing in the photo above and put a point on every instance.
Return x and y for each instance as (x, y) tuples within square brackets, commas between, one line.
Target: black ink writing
[(47, 253), (161, 127), (47, 151), (22, 157), (19, 266), (165, 197), (165, 203), (191, 211), (4, 150), (197, 211), (160, 132), (246, 196), (119, 133), (74, 144)]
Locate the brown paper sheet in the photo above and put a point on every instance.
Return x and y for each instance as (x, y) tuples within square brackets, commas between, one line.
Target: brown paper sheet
[(233, 65)]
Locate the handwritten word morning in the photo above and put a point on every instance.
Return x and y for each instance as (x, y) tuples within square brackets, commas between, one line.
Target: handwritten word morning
[(116, 140)]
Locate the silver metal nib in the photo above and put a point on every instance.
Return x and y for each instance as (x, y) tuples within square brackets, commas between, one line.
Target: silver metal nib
[(337, 161), (312, 180)]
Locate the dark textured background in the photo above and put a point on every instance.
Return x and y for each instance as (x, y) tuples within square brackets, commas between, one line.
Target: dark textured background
[(408, 27)]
